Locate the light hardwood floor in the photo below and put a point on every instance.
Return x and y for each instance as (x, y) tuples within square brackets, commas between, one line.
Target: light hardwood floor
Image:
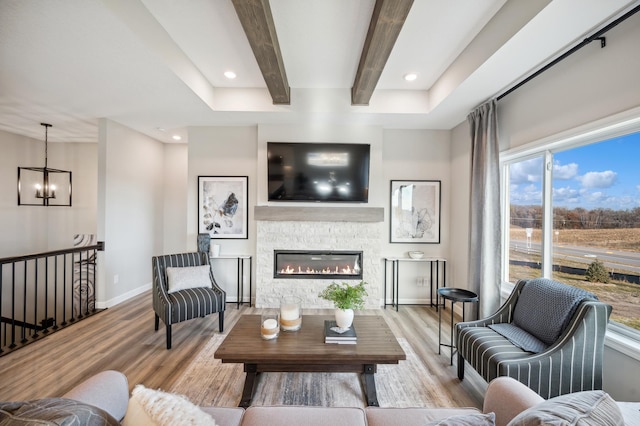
[(122, 338)]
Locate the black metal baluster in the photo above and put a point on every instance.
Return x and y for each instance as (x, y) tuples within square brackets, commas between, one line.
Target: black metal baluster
[(64, 291), (93, 277), (34, 334), (86, 285), (13, 305), (55, 295), (79, 267), (73, 278), (45, 320), (24, 303)]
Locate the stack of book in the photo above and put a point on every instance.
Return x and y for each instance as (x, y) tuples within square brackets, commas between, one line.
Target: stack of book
[(333, 334)]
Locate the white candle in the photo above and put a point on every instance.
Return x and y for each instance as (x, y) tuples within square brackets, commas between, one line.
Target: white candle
[(269, 324), (289, 312), (269, 328)]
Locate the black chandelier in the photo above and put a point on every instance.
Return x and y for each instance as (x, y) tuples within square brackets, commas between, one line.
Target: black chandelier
[(44, 186)]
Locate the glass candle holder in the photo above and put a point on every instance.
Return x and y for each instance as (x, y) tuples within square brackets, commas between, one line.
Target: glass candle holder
[(290, 313), (269, 325)]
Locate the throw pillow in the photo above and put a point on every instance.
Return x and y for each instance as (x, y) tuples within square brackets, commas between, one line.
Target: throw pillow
[(587, 408), (545, 307), (53, 411), (478, 419), (149, 407), (182, 278)]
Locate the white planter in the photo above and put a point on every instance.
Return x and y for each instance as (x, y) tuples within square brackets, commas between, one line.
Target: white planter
[(344, 318)]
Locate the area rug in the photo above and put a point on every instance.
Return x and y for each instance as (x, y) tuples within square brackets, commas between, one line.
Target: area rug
[(207, 381)]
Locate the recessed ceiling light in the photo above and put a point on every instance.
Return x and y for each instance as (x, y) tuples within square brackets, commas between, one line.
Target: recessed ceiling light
[(410, 76), (230, 75), (176, 137)]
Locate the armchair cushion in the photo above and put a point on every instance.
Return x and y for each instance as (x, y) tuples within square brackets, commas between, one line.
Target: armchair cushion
[(192, 303), (182, 278), (519, 337), (545, 307)]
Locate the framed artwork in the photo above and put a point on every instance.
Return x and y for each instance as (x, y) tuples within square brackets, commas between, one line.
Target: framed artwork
[(223, 206), (415, 211)]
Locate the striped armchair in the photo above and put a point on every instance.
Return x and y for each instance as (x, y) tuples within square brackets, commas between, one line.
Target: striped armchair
[(185, 304), (547, 335)]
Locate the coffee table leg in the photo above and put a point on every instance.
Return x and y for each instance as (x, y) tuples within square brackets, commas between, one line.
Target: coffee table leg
[(249, 383), (370, 385)]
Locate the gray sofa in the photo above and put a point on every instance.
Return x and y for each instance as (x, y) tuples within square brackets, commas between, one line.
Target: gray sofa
[(510, 400)]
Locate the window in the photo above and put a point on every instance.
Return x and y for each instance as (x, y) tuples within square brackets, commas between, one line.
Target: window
[(572, 210), (525, 213)]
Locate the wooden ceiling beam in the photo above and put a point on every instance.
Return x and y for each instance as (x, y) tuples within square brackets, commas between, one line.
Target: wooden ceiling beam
[(386, 22), (257, 22)]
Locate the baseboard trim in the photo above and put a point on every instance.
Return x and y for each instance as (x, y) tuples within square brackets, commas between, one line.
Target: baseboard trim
[(123, 297)]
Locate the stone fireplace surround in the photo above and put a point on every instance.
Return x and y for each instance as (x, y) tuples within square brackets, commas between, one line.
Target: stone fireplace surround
[(316, 228)]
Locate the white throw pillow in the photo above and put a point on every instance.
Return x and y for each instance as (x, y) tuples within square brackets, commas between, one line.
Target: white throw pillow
[(148, 407), (181, 278)]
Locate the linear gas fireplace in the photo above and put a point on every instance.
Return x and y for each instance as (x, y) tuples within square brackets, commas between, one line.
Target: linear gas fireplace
[(317, 264)]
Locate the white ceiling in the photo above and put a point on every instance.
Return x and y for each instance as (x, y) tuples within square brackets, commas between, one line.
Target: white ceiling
[(151, 64)]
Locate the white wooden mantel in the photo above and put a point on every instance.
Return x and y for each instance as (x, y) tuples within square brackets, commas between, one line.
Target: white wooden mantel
[(319, 214)]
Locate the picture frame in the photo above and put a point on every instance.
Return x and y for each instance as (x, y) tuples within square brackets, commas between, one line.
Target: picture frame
[(223, 206), (415, 211)]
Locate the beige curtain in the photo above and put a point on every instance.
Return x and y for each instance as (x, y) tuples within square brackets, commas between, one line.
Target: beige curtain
[(485, 241)]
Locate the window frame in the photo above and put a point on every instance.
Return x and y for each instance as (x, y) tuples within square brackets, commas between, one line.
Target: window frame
[(624, 339)]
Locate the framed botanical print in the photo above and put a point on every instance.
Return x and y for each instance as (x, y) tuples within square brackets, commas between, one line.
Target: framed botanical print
[(223, 207), (415, 211)]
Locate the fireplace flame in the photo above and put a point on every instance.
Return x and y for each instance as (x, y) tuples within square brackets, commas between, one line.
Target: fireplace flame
[(345, 270)]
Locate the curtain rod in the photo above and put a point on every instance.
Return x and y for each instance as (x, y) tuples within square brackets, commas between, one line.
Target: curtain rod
[(598, 35)]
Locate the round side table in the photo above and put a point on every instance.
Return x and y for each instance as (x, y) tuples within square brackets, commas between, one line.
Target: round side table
[(454, 295)]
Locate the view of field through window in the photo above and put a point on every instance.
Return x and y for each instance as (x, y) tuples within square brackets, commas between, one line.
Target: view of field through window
[(595, 224)]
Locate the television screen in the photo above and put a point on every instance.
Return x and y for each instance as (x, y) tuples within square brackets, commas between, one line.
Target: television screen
[(331, 172)]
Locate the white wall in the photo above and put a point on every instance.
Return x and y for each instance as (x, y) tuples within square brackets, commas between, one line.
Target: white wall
[(33, 229), (222, 151), (418, 155), (175, 170), (460, 175), (590, 85), (130, 210)]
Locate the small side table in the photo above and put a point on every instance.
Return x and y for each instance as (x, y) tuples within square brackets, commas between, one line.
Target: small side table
[(239, 258), (454, 295)]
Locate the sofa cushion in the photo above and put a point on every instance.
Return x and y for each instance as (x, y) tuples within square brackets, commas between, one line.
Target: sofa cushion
[(414, 416), (308, 416), (545, 307), (476, 419), (155, 407), (53, 411), (580, 409), (225, 416), (182, 278)]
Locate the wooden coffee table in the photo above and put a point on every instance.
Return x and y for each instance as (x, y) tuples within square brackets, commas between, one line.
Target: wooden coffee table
[(305, 351)]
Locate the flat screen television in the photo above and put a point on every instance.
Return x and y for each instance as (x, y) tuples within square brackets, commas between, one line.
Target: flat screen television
[(318, 172)]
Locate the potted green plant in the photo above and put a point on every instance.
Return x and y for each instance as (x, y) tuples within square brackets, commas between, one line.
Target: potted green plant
[(345, 298)]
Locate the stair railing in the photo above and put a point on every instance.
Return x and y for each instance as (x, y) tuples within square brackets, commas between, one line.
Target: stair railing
[(44, 292)]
